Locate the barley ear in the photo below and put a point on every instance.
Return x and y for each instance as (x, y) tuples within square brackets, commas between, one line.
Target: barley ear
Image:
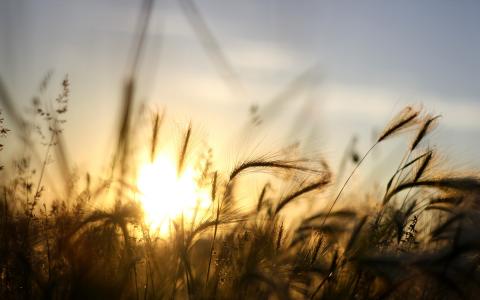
[(157, 123), (421, 170), (428, 125), (183, 152), (402, 120)]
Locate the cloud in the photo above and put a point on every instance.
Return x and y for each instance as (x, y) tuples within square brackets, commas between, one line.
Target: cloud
[(374, 105), (258, 56)]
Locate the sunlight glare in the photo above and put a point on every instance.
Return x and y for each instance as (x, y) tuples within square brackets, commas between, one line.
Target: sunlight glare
[(166, 196)]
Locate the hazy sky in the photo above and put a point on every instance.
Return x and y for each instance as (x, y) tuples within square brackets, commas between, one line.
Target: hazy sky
[(372, 58)]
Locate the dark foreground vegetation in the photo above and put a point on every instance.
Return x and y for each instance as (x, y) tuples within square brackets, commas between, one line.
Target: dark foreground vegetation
[(415, 239)]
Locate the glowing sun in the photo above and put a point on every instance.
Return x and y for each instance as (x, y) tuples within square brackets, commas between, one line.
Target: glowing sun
[(167, 195)]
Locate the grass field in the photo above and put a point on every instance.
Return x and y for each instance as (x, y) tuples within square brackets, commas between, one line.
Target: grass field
[(417, 238)]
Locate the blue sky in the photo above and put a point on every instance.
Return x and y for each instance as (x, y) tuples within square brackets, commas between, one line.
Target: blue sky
[(371, 58)]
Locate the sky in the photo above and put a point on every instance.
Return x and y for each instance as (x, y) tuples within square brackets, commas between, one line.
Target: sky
[(365, 60)]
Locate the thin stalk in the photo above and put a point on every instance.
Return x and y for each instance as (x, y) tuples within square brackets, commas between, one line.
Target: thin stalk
[(195, 213), (397, 174), (213, 241), (48, 244), (346, 182), (145, 291), (136, 281), (44, 164)]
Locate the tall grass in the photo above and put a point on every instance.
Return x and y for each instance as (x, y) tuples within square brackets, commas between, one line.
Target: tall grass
[(419, 239)]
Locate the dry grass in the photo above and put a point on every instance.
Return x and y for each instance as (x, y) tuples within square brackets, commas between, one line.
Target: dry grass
[(420, 242)]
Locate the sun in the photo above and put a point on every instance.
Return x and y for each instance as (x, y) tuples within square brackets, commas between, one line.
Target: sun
[(166, 195)]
